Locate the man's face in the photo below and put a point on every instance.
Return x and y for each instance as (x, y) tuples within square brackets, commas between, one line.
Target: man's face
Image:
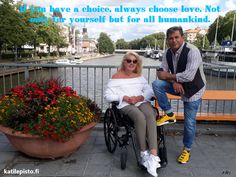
[(175, 40)]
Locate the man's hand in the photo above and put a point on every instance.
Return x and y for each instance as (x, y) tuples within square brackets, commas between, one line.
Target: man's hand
[(163, 75), (178, 88)]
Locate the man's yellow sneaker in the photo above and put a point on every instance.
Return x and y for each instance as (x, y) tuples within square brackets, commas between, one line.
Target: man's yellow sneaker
[(184, 156), (166, 120)]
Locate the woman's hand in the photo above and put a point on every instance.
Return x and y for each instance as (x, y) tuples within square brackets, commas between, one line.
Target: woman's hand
[(139, 98), (133, 99), (127, 99), (136, 99)]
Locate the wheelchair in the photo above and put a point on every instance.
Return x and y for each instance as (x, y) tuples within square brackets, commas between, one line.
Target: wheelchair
[(119, 129)]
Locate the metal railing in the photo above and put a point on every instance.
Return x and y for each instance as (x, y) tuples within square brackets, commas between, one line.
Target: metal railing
[(91, 80)]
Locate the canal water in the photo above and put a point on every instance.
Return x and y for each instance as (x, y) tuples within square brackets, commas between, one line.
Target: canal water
[(91, 81)]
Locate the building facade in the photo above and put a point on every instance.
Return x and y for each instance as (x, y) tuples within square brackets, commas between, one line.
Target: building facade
[(191, 34)]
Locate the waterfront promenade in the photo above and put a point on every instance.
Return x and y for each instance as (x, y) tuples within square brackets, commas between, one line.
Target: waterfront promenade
[(213, 155)]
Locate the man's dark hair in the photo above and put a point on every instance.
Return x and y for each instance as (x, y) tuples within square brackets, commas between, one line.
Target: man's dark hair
[(173, 29)]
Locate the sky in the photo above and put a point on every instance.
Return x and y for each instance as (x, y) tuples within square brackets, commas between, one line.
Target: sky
[(130, 31)]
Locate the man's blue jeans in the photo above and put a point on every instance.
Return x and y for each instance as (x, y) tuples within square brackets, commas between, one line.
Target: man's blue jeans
[(160, 89)]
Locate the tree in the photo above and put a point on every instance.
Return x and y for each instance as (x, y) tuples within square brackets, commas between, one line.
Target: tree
[(224, 28), (159, 39), (153, 40), (122, 44), (16, 29), (50, 33), (212, 30), (13, 30), (35, 37), (105, 44), (227, 25), (147, 41), (201, 42), (60, 41), (135, 44)]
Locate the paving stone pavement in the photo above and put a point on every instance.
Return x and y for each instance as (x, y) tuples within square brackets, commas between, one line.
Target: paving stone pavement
[(213, 155)]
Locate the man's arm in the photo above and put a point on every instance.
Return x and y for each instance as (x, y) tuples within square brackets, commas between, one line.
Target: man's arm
[(164, 75)]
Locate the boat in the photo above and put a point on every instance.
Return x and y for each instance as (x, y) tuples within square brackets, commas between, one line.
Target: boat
[(76, 61), (222, 61), (77, 57), (148, 51), (68, 61), (220, 70), (156, 54), (224, 57)]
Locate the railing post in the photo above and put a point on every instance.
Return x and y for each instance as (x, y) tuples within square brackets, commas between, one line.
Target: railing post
[(26, 73)]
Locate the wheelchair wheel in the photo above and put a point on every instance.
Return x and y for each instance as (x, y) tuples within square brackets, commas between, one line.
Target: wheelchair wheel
[(123, 159), (110, 130)]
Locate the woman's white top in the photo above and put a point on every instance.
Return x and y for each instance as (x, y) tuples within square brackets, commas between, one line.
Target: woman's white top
[(118, 88)]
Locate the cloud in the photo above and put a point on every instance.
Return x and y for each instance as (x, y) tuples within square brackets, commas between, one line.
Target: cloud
[(230, 5), (202, 4), (130, 31)]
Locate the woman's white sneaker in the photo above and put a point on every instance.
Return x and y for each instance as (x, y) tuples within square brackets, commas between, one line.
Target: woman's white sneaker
[(144, 157), (152, 164)]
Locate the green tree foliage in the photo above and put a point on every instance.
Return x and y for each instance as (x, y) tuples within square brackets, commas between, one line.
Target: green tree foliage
[(201, 42), (105, 44), (50, 33), (122, 44), (224, 28), (135, 44), (147, 41), (227, 25), (159, 39), (16, 29), (13, 29), (152, 40), (35, 35)]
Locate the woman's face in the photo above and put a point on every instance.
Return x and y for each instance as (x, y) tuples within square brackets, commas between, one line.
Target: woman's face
[(130, 63)]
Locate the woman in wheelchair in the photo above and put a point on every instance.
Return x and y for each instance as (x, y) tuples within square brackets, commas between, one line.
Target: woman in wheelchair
[(131, 90)]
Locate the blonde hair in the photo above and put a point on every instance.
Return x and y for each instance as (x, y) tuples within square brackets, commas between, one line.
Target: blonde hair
[(138, 68)]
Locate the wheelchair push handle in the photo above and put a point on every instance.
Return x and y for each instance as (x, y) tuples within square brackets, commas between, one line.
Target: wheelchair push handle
[(115, 103)]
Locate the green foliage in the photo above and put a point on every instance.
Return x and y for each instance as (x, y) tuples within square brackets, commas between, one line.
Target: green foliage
[(201, 42), (135, 44), (105, 44), (13, 30), (224, 28), (122, 44), (159, 39), (147, 41), (152, 40), (16, 29)]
